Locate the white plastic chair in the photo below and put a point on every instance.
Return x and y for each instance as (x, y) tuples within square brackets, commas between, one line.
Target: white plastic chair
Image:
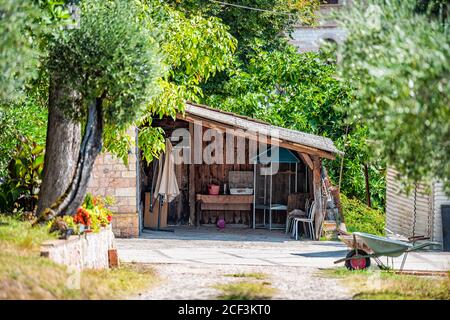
[(290, 216), (309, 221)]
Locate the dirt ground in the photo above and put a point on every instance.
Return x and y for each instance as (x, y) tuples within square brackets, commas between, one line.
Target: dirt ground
[(196, 281), (191, 261)]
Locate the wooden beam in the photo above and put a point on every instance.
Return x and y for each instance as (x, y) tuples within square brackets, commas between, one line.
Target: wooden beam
[(282, 143), (192, 205), (306, 159), (317, 187)]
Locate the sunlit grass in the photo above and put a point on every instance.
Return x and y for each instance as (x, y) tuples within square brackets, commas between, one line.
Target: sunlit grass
[(21, 235), (385, 285), (245, 290), (26, 275)]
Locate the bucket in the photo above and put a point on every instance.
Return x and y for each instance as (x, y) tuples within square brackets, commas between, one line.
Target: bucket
[(213, 189)]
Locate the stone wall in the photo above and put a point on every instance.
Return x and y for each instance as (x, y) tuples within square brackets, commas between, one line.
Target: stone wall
[(111, 177), (88, 251), (311, 38)]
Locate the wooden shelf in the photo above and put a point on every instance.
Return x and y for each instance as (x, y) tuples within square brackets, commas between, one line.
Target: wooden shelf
[(225, 198)]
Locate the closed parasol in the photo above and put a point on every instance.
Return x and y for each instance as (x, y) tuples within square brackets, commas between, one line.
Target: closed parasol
[(166, 185)]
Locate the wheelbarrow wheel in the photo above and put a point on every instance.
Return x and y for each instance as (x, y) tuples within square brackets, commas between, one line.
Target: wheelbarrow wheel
[(357, 263)]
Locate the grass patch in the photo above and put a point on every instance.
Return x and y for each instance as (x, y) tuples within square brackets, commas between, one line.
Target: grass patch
[(385, 285), (20, 234), (26, 275), (245, 290), (254, 275)]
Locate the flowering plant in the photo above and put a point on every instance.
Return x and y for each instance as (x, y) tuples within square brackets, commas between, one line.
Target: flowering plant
[(93, 214), (82, 217)]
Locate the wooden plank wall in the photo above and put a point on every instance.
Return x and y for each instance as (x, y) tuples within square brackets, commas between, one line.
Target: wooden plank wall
[(400, 208), (206, 173)]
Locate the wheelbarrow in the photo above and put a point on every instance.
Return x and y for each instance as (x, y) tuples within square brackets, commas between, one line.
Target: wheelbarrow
[(364, 246)]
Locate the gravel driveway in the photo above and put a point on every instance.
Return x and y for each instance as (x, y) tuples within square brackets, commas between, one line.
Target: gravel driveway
[(195, 281), (190, 261)]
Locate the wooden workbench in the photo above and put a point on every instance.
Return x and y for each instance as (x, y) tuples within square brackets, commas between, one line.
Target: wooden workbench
[(223, 202)]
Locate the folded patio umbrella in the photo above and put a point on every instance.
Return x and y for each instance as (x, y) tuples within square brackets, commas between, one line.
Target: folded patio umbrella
[(166, 184)]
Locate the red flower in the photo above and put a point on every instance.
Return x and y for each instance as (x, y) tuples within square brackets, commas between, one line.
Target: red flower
[(82, 217), (109, 218)]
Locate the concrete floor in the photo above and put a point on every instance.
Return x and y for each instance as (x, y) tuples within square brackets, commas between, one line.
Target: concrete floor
[(243, 246)]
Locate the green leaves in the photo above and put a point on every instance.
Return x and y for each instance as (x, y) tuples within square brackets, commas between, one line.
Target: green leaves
[(302, 92), (22, 118), (21, 185), (112, 56), (24, 26), (361, 218), (399, 66), (18, 53)]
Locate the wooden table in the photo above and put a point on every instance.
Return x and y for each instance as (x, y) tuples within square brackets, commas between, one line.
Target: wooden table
[(223, 202)]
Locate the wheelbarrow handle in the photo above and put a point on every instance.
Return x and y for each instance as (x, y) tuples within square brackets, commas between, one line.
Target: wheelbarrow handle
[(416, 238)]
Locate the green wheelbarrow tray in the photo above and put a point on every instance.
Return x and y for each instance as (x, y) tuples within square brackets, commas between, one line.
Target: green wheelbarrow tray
[(383, 247)]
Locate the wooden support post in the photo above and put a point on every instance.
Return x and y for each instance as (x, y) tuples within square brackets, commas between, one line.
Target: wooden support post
[(317, 187), (192, 205)]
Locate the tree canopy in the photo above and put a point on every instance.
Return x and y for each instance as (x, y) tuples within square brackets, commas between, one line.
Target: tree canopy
[(193, 48), (23, 24), (302, 92), (396, 56), (110, 56)]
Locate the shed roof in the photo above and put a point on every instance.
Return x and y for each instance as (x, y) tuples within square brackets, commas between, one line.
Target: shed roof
[(291, 139)]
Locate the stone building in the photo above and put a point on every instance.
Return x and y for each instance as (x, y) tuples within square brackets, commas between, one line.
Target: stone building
[(311, 38)]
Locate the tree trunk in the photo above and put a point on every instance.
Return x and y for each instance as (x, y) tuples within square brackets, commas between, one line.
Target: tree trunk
[(72, 198), (366, 177), (61, 149)]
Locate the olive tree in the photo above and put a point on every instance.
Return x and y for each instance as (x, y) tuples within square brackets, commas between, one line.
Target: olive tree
[(103, 73), (396, 56), (23, 25)]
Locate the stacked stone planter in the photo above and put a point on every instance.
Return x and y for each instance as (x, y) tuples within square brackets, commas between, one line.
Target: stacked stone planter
[(87, 251)]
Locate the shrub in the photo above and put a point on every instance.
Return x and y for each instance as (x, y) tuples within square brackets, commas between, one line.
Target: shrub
[(20, 188), (359, 217)]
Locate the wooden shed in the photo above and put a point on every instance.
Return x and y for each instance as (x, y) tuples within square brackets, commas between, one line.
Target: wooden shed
[(237, 139), (424, 211)]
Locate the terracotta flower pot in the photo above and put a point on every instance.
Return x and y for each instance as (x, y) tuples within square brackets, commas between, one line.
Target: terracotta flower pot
[(213, 189)]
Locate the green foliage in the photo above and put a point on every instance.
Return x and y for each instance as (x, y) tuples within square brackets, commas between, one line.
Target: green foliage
[(118, 142), (111, 57), (398, 62), (193, 50), (18, 56), (359, 217), (21, 188), (23, 24), (151, 142), (24, 118), (247, 25)]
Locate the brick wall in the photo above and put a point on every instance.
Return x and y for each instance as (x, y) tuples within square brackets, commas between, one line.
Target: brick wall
[(110, 177)]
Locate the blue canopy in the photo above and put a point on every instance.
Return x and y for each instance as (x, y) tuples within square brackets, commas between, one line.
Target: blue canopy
[(275, 154)]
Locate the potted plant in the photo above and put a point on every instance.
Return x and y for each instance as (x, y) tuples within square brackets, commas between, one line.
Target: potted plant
[(214, 187)]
